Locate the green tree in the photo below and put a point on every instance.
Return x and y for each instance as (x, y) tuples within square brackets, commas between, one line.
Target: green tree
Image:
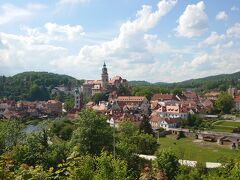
[(62, 128), (77, 168), (38, 93), (145, 126), (93, 133), (130, 142), (123, 91), (126, 138), (109, 168), (168, 162), (11, 133), (69, 103), (99, 97), (224, 103), (177, 91), (146, 143)]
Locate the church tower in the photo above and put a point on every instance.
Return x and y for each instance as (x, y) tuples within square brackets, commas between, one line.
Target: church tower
[(104, 77), (77, 103)]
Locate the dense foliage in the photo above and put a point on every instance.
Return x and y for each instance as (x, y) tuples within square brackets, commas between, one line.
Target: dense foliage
[(99, 97), (33, 85), (93, 133), (224, 103), (84, 149), (218, 82)]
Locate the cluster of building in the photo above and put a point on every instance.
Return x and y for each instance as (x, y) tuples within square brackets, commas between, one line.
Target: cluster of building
[(236, 97), (10, 109), (131, 108), (163, 111), (168, 109), (91, 87)]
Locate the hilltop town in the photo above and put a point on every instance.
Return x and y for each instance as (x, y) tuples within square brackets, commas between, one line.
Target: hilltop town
[(112, 97), (193, 123)]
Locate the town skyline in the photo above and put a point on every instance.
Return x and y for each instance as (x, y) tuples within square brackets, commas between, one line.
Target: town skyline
[(144, 40)]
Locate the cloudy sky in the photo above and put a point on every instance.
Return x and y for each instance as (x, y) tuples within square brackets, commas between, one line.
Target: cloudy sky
[(157, 41)]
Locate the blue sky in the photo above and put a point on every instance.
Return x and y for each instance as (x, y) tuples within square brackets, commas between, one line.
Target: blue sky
[(154, 40)]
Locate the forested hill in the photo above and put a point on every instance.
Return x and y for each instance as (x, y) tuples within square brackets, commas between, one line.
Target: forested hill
[(33, 85), (218, 82)]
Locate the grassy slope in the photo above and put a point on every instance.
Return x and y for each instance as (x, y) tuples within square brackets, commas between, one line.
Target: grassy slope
[(186, 149), (225, 126), (228, 123)]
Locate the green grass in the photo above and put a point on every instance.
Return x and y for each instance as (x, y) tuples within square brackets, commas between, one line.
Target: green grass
[(187, 149), (228, 123), (225, 126), (217, 128)]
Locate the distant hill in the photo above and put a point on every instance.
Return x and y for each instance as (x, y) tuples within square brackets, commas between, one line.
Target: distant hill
[(139, 83), (24, 85), (145, 83), (38, 85), (218, 82)]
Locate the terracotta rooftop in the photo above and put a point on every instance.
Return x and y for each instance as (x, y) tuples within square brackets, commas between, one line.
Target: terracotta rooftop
[(53, 102), (131, 98), (170, 120), (163, 97), (93, 82), (212, 94), (237, 99), (190, 95), (155, 118)]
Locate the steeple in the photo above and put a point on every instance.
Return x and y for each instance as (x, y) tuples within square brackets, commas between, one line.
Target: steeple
[(77, 104), (104, 76)]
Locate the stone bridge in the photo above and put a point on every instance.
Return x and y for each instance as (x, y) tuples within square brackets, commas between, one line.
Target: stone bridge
[(210, 136)]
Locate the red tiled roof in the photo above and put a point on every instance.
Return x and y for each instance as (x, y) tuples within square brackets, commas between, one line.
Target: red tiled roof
[(154, 105), (131, 98), (237, 99), (190, 95), (163, 97), (170, 120), (212, 94), (130, 117), (53, 102)]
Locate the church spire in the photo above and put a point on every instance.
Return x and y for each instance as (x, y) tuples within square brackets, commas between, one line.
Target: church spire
[(104, 76)]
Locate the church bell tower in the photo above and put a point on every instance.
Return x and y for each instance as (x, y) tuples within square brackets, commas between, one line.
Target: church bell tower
[(104, 77), (77, 104)]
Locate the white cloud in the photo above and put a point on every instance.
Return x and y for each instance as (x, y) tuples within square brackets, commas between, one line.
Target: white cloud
[(200, 60), (72, 2), (222, 15), (134, 53), (229, 44), (12, 13), (125, 50), (130, 36), (23, 55), (214, 38), (155, 45), (53, 32), (234, 30), (72, 32), (193, 21)]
